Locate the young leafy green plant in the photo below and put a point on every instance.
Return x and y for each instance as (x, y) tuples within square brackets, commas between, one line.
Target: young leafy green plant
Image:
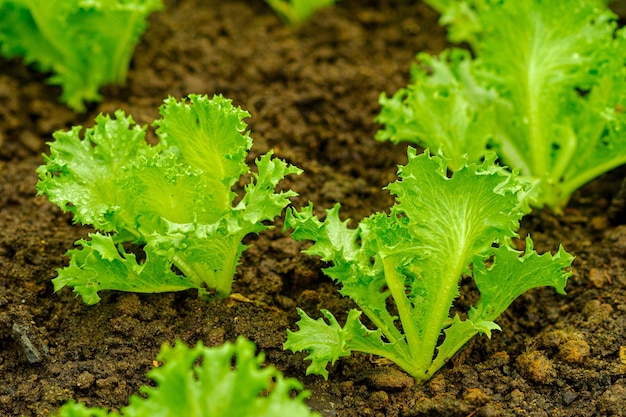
[(174, 198), (202, 382), (294, 12), (545, 89), (85, 44), (403, 269)]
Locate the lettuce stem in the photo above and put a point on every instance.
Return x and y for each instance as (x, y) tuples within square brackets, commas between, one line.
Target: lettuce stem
[(405, 310)]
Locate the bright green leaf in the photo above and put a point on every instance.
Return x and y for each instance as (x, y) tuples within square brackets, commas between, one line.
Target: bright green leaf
[(545, 88), (228, 380), (403, 269), (85, 44), (175, 198)]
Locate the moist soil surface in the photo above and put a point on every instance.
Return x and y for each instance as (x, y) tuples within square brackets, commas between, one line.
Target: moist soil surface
[(312, 92)]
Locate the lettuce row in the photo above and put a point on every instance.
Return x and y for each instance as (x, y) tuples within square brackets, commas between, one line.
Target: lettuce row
[(201, 382), (544, 87), (440, 229), (85, 44), (174, 199)]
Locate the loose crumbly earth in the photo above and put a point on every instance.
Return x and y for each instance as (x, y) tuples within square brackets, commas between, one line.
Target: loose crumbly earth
[(312, 93)]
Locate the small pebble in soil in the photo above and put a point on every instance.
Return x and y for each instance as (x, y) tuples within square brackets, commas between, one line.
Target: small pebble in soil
[(387, 379), (379, 400), (85, 380), (33, 348), (476, 396), (599, 277), (107, 382), (569, 397), (574, 351), (596, 312), (535, 366), (324, 405)]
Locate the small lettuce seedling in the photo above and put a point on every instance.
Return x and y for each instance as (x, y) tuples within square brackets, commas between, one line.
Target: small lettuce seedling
[(202, 382), (85, 44), (545, 88), (403, 269), (174, 198), (295, 12)]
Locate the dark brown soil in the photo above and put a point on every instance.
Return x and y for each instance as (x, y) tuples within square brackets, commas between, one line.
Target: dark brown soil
[(312, 92)]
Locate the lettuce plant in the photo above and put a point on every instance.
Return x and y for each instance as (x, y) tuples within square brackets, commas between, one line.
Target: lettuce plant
[(544, 87), (403, 268), (85, 44), (295, 12), (174, 199), (202, 382)]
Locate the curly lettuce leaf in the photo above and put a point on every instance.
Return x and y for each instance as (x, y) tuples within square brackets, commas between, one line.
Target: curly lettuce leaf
[(202, 382), (183, 130), (548, 80), (82, 173), (443, 108), (327, 342), (440, 229), (101, 265), (175, 198), (214, 387), (85, 44)]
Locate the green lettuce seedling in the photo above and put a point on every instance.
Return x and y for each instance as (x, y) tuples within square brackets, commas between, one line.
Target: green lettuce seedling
[(85, 44), (175, 198), (403, 269), (295, 12), (544, 87), (202, 382)]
